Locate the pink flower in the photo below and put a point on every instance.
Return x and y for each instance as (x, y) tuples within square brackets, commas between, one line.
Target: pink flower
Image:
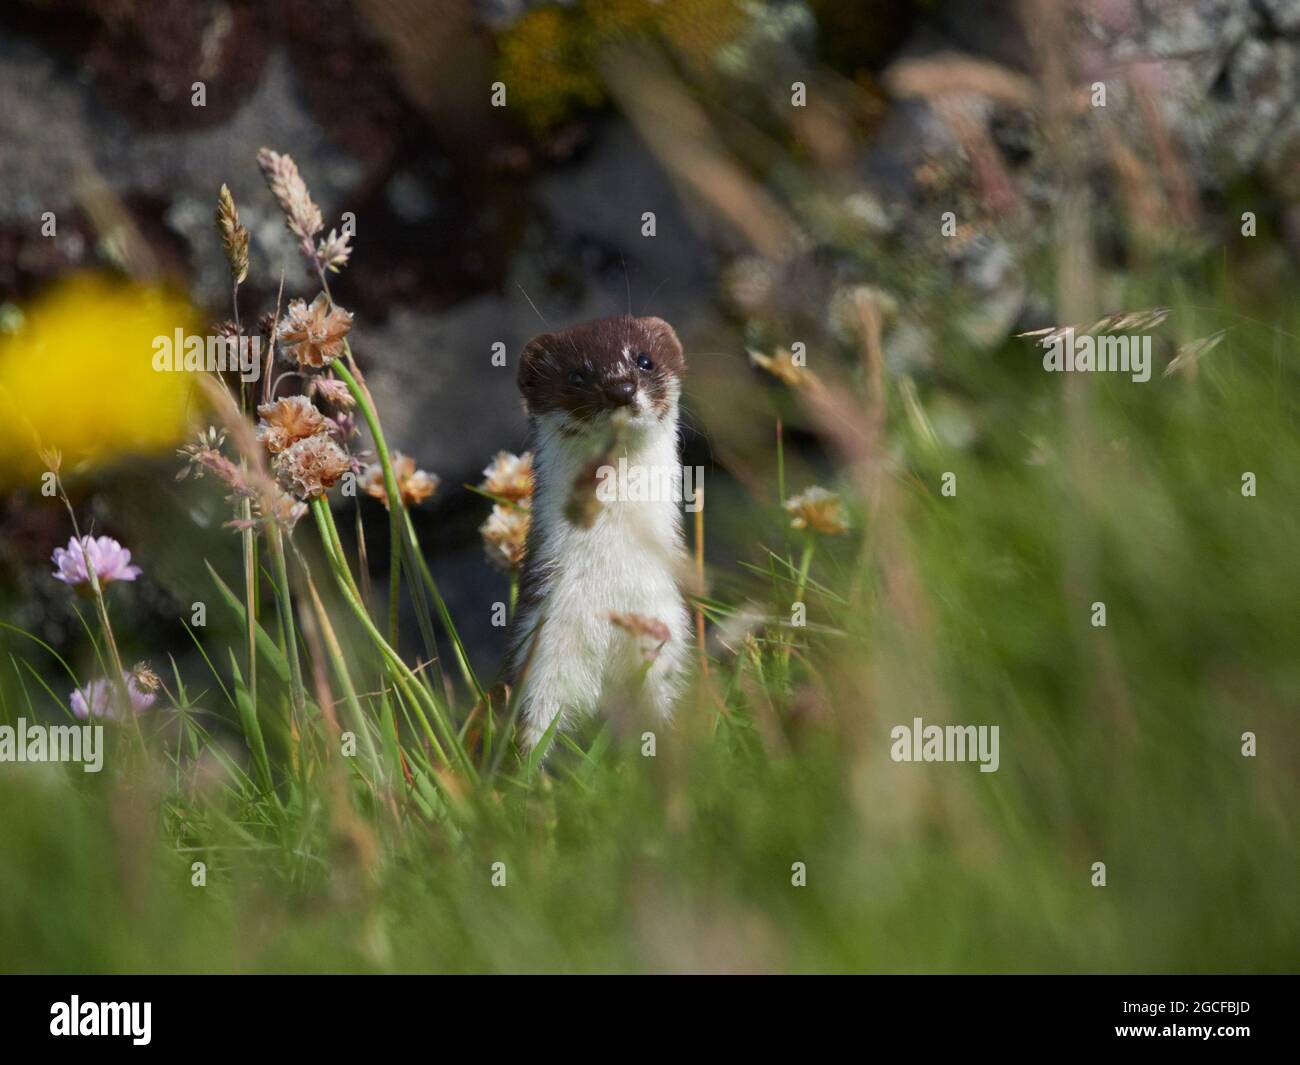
[(111, 561), (96, 698)]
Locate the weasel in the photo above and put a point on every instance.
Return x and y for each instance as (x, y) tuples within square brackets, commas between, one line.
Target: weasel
[(597, 393)]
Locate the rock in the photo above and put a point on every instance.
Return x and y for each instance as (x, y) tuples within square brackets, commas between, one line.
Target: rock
[(1283, 14), (441, 398), (45, 124)]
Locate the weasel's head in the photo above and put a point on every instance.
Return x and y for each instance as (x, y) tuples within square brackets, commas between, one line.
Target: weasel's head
[(583, 374)]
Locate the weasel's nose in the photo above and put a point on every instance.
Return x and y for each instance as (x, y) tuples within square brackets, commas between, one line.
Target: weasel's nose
[(620, 393)]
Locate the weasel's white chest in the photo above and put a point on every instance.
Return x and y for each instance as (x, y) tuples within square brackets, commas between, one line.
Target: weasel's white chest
[(628, 561)]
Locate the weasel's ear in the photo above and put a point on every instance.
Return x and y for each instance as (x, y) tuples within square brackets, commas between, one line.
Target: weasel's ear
[(663, 334), (532, 364)]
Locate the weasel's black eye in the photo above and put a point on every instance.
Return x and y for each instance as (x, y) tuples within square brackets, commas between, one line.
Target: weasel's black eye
[(575, 377), (643, 360)]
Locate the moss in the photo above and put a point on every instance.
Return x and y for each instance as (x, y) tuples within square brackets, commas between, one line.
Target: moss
[(549, 58)]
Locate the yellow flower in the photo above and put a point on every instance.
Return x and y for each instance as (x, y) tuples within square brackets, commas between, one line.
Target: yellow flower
[(77, 375), (818, 511)]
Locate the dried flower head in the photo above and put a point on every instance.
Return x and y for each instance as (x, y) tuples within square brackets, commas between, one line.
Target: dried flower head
[(817, 510), (313, 334), (272, 505), (783, 367), (414, 486), (332, 391), (301, 214), (234, 237), (505, 535), (277, 506), (343, 427), (510, 477), (311, 466), (334, 251), (286, 421), (145, 678), (204, 455), (250, 479), (96, 698), (109, 560), (650, 633)]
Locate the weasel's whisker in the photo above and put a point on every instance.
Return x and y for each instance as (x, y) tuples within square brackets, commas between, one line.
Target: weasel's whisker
[(532, 304)]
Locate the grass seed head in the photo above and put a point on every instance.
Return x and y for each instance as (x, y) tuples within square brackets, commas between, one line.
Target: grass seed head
[(234, 236), (301, 214)]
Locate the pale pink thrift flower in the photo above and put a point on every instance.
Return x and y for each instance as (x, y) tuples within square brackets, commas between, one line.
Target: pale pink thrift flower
[(96, 698), (111, 561)]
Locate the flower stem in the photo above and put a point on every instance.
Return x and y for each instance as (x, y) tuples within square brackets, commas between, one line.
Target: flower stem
[(399, 523), (700, 639), (334, 546), (285, 605), (250, 593), (409, 684), (780, 462), (462, 657), (805, 562), (397, 518), (248, 535), (117, 681), (341, 673), (395, 509)]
